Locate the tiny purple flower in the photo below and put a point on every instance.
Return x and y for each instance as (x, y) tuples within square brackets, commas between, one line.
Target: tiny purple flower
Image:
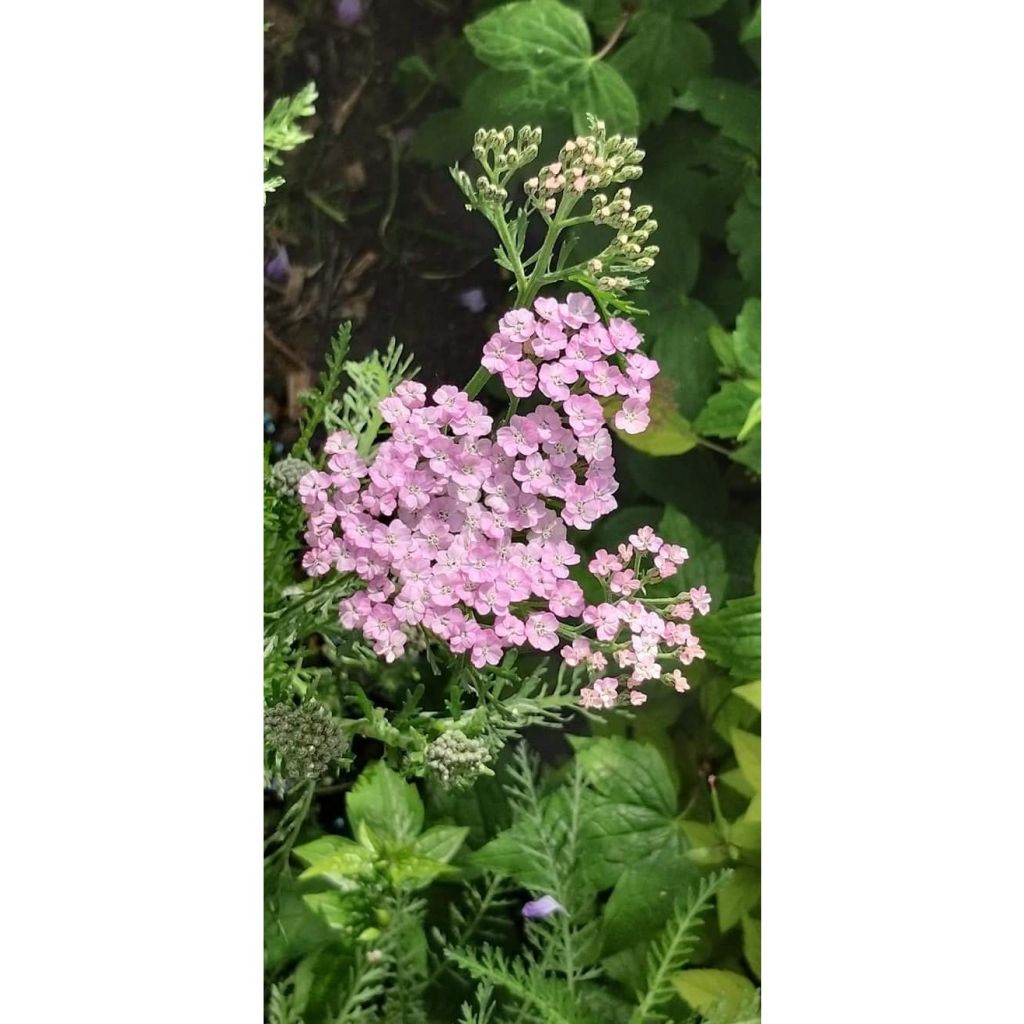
[(473, 299), (278, 266), (348, 12), (539, 909)]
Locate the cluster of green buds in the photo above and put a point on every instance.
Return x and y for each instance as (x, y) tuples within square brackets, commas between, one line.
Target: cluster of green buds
[(585, 163), (628, 252), (457, 760), (500, 152), (306, 738), (286, 474)]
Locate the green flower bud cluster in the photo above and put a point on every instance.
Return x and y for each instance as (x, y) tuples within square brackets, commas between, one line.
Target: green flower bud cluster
[(629, 251), (584, 163), (457, 760), (306, 738), (286, 474)]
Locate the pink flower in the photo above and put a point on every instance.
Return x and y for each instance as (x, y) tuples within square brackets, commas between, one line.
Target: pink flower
[(520, 378), (555, 379), (623, 334), (604, 564), (501, 352), (517, 324), (542, 631), (578, 310), (533, 473), (701, 599), (633, 417), (678, 680), (586, 416), (577, 652), (645, 539), (548, 309)]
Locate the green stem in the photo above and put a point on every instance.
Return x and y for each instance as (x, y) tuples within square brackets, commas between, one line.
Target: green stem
[(527, 287)]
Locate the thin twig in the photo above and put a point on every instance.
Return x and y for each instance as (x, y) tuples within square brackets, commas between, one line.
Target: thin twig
[(614, 37)]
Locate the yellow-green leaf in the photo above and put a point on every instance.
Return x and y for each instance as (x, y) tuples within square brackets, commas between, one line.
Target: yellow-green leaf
[(710, 991)]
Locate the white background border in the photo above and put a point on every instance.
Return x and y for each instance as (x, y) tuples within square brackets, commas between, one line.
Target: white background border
[(892, 562)]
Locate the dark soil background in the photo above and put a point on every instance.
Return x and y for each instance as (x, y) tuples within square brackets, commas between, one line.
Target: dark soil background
[(371, 236)]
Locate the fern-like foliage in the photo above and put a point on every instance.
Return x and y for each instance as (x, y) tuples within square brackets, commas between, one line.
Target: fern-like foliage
[(524, 980), (673, 947), (321, 400), (281, 131), (404, 1002), (372, 379), (480, 915), (364, 988)]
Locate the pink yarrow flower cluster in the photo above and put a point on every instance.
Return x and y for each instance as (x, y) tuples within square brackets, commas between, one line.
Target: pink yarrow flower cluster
[(459, 526)]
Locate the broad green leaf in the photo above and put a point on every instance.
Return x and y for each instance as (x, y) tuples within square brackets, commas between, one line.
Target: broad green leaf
[(390, 806), (747, 337), (661, 56), (643, 899), (678, 333), (414, 872), (753, 813), (705, 566), (749, 454), (751, 693), (668, 433), (441, 842), (752, 29), (753, 419), (615, 835), (600, 90), (735, 779), (732, 636), (727, 411), (752, 943), (694, 8), (757, 570), (290, 928), (747, 748), (745, 834), (627, 772), (739, 894), (714, 992), (335, 859), (340, 911), (542, 36), (743, 234), (733, 108), (510, 856)]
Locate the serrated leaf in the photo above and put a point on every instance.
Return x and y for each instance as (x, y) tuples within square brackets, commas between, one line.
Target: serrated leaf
[(626, 771), (753, 420), (338, 910), (713, 991), (600, 90), (643, 899), (728, 410), (736, 780), (541, 36), (335, 859), (389, 806), (743, 234), (660, 58), (441, 842), (733, 108), (747, 748), (732, 637), (414, 872)]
